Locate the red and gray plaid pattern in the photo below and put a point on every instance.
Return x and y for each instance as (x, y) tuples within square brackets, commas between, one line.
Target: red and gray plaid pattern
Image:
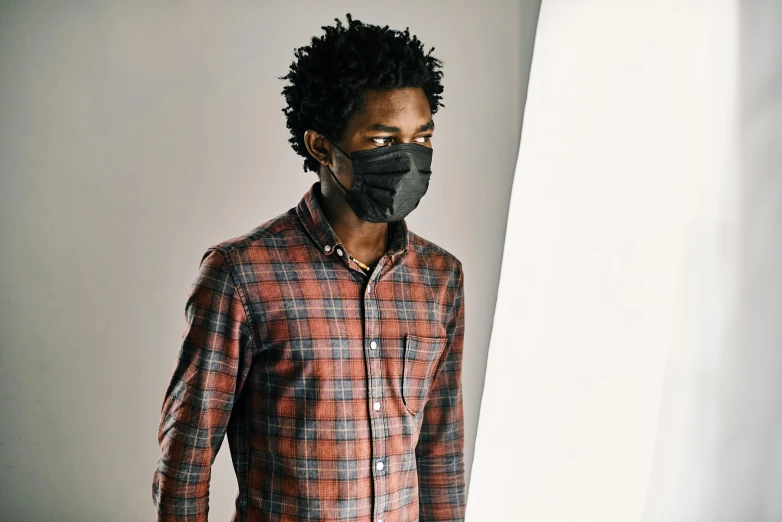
[(340, 393)]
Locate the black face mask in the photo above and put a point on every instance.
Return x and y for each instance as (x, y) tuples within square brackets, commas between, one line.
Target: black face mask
[(388, 182)]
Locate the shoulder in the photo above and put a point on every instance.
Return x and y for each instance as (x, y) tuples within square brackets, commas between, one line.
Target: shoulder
[(438, 255), (259, 236)]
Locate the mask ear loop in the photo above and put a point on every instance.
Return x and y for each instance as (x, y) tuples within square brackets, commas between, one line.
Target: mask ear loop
[(338, 147), (335, 179), (332, 172)]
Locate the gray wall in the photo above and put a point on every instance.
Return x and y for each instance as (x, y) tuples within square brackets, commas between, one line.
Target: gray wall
[(134, 136)]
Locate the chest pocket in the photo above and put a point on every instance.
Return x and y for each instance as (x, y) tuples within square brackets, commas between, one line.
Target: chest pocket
[(420, 363)]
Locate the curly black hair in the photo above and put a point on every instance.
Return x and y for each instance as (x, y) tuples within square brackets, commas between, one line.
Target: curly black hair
[(328, 78)]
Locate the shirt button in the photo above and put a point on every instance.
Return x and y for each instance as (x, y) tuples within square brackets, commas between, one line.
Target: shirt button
[(373, 345), (327, 248), (339, 251), (369, 289), (376, 406), (380, 465)]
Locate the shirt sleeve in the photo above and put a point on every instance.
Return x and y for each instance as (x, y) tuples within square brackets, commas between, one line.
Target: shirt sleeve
[(440, 449), (211, 367)]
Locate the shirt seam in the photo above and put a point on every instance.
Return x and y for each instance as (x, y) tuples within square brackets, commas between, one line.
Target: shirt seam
[(229, 249), (253, 334)]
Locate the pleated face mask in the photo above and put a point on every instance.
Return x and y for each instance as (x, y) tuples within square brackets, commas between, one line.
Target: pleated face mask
[(388, 182)]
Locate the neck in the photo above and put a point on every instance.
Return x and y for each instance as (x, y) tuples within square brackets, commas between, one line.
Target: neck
[(363, 240)]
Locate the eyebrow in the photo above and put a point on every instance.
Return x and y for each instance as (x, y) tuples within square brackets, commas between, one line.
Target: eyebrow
[(388, 128)]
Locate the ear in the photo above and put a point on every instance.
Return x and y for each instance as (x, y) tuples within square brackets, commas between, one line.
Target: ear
[(317, 146)]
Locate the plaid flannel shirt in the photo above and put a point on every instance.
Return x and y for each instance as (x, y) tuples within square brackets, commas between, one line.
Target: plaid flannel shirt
[(340, 393)]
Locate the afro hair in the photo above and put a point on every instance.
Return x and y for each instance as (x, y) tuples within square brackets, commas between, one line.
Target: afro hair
[(328, 78)]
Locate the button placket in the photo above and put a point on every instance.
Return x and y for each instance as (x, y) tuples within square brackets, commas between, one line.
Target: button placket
[(378, 422)]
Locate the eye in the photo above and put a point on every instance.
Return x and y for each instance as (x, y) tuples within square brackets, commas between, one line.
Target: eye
[(387, 140)]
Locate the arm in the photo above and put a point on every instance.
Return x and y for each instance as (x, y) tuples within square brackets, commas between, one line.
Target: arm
[(440, 449), (212, 364)]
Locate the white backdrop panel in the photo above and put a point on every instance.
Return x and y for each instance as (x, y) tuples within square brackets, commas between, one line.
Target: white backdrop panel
[(619, 270)]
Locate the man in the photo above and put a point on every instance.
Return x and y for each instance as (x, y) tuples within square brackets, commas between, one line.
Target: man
[(327, 342)]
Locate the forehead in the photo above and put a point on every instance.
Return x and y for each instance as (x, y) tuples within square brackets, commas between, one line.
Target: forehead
[(403, 108)]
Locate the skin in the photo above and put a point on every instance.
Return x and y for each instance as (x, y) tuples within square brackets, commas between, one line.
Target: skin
[(389, 117)]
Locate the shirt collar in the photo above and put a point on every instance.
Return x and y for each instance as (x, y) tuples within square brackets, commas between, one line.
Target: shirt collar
[(314, 221)]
